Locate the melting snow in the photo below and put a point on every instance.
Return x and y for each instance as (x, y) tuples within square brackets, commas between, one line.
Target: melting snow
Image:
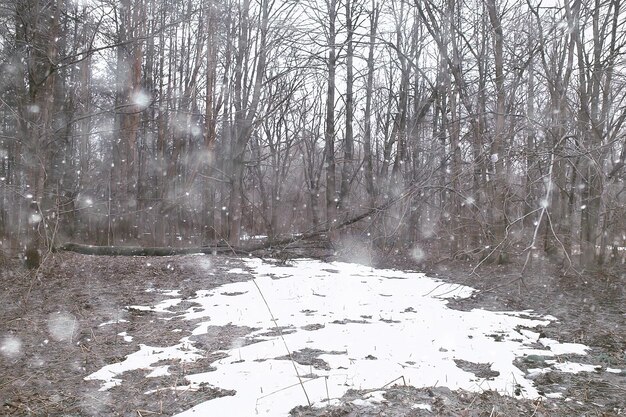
[(371, 398), (562, 348), (143, 359), (106, 323), (375, 326), (573, 368), (159, 371), (162, 307), (126, 337)]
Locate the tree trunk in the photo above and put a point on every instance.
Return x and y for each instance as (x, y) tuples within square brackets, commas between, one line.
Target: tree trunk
[(329, 134), (367, 135), (499, 178), (348, 145)]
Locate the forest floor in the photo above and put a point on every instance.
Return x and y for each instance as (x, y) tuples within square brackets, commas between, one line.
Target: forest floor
[(74, 317)]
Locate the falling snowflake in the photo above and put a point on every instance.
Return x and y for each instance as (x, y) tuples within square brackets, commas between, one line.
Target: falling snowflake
[(62, 326), (11, 347), (141, 98), (34, 218)]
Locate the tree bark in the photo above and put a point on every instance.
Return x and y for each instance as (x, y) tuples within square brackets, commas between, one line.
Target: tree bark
[(329, 134), (367, 135), (348, 144)]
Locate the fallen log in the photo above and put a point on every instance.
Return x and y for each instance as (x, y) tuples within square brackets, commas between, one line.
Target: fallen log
[(141, 251), (167, 251), (279, 245)]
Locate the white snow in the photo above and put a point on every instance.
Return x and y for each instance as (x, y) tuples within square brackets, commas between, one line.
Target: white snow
[(162, 307), (170, 293), (253, 237), (370, 399), (573, 367), (143, 359), (566, 367), (106, 323), (375, 326), (126, 337), (562, 348), (157, 371)]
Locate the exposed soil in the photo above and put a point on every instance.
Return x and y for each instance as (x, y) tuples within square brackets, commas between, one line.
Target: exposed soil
[(42, 368), (46, 376)]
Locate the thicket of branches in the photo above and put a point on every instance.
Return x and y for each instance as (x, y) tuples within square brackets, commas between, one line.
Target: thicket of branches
[(494, 127)]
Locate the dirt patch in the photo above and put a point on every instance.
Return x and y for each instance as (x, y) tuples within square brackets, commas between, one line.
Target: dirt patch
[(481, 370), (75, 315), (412, 402), (310, 357)]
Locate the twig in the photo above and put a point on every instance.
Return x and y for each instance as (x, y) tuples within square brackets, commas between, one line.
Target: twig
[(291, 386), (391, 382), (12, 381), (139, 412), (327, 394), (536, 408), (280, 333), (513, 281)]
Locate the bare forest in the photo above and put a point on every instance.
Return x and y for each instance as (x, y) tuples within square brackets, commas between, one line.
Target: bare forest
[(481, 142), (482, 129)]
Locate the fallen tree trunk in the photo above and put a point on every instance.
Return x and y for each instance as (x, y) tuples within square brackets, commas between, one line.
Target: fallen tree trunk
[(140, 251), (293, 242)]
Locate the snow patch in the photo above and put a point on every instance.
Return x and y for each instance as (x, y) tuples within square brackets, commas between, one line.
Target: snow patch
[(370, 399), (159, 371), (143, 359), (564, 348), (374, 325), (126, 337), (573, 367), (162, 307), (106, 323)]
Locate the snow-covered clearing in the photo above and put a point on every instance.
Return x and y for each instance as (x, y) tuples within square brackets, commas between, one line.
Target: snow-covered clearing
[(372, 326)]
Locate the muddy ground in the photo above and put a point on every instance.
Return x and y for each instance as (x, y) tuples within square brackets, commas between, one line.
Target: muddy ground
[(43, 365)]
